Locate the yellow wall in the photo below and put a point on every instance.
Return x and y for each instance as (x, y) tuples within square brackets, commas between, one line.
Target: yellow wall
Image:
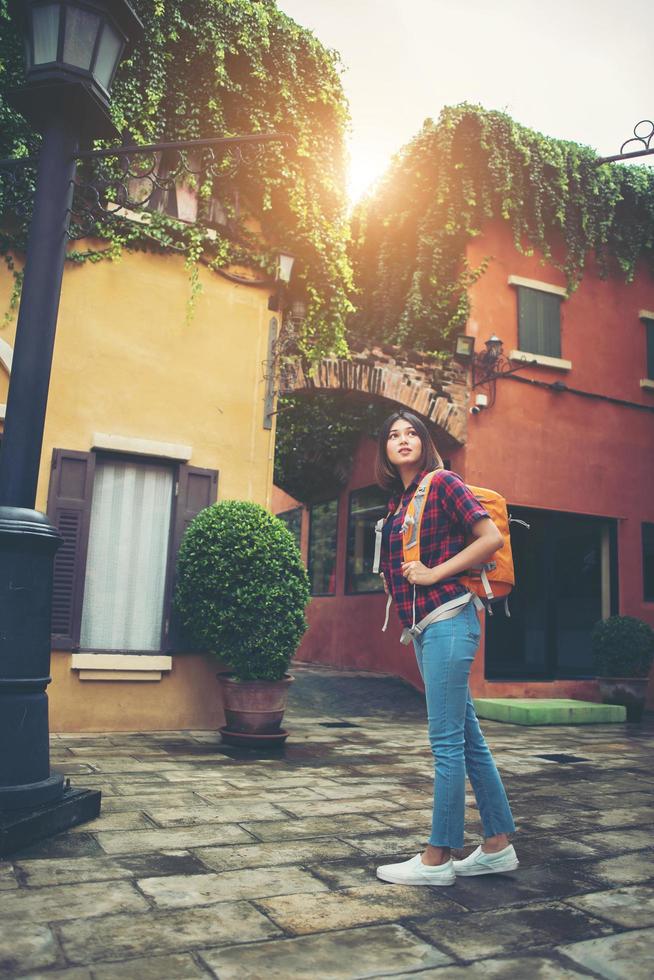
[(127, 363)]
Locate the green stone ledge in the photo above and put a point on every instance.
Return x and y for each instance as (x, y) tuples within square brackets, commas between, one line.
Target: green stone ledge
[(548, 711)]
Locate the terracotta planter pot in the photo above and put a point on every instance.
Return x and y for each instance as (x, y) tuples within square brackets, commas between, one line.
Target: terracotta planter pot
[(254, 709), (629, 691)]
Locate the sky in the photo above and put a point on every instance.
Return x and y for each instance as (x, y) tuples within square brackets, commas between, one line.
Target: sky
[(575, 69)]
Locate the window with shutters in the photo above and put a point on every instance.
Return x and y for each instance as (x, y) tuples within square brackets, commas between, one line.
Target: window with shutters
[(122, 520), (539, 322)]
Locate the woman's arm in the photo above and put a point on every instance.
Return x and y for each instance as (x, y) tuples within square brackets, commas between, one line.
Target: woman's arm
[(487, 540)]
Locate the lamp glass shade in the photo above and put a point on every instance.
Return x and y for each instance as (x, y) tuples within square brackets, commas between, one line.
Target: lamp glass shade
[(45, 32), (81, 31), (108, 57), (285, 266), (494, 346)]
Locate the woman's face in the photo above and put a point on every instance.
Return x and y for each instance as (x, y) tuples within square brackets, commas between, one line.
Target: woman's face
[(403, 446)]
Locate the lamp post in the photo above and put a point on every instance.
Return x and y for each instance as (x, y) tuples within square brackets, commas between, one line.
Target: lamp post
[(72, 52), (73, 48)]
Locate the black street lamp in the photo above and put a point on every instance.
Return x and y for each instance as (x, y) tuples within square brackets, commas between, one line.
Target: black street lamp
[(73, 48), (72, 52), (488, 365)]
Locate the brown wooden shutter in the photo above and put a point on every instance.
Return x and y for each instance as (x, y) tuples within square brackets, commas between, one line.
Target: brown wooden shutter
[(196, 489), (69, 509)]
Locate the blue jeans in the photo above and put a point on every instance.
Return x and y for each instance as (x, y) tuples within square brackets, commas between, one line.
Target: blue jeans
[(445, 652)]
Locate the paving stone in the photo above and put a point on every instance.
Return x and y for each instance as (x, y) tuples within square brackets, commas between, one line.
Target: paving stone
[(409, 820), (300, 914), (71, 901), (631, 906), (114, 821), (402, 845), (624, 869), (206, 814), (175, 967), (267, 792), (138, 841), (265, 855), (345, 955), (54, 871), (153, 864), (617, 841), (116, 937), (26, 946), (627, 956), (326, 808), (523, 885), (7, 877), (62, 846), (185, 891), (624, 817), (267, 830), (122, 804), (509, 968), (482, 934), (347, 874)]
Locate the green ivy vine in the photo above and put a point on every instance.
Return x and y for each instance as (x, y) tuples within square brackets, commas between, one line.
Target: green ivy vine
[(221, 67), (316, 438), (409, 235)]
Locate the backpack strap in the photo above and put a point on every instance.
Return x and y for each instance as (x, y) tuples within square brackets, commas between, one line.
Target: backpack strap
[(379, 527), (413, 519)]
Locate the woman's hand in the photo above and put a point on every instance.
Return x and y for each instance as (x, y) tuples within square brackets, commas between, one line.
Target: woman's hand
[(418, 574)]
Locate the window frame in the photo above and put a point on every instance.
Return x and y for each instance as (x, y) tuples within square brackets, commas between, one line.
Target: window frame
[(183, 509), (317, 503), (522, 290), (647, 565), (348, 590), (293, 510)]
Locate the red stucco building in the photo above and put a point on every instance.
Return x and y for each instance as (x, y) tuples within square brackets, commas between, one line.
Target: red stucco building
[(569, 441)]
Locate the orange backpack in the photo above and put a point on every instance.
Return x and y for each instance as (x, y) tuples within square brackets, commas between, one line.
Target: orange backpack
[(491, 581)]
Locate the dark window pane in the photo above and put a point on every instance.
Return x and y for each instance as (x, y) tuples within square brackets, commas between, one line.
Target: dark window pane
[(562, 585), (539, 322), (293, 521), (648, 562), (649, 327), (366, 507), (322, 548)]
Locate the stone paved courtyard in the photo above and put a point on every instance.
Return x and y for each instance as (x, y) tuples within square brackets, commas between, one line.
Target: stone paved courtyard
[(215, 862)]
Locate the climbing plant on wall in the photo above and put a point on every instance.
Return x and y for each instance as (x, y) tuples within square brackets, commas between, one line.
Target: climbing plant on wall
[(473, 165), (316, 438), (215, 68)]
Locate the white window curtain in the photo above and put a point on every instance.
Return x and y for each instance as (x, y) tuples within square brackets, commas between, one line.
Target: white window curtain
[(128, 550)]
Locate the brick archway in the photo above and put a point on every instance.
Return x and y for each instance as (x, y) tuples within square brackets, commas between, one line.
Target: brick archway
[(435, 391)]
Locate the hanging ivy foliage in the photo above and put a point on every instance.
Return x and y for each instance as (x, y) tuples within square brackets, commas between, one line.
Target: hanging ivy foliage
[(316, 438), (472, 166), (222, 68)]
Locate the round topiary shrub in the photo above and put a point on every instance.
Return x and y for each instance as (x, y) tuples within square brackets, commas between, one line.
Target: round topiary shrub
[(623, 646), (242, 589)]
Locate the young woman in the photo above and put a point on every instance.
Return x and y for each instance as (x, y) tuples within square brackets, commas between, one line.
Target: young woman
[(444, 649)]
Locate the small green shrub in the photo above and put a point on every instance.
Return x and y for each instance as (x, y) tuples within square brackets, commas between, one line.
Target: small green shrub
[(623, 646), (242, 589)]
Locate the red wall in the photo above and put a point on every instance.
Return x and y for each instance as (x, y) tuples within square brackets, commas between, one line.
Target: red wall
[(544, 449)]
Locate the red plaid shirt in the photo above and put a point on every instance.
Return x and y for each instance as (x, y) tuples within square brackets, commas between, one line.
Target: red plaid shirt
[(450, 511)]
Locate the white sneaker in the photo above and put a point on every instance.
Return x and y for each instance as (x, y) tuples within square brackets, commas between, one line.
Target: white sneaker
[(414, 872), (480, 863)]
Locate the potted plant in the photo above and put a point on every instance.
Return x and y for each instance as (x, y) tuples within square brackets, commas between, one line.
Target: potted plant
[(241, 593), (623, 650)]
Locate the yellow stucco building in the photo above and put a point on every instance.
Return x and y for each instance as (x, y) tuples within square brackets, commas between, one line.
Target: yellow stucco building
[(151, 416)]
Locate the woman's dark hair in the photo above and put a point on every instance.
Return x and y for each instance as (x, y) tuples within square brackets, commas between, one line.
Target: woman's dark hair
[(386, 473)]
